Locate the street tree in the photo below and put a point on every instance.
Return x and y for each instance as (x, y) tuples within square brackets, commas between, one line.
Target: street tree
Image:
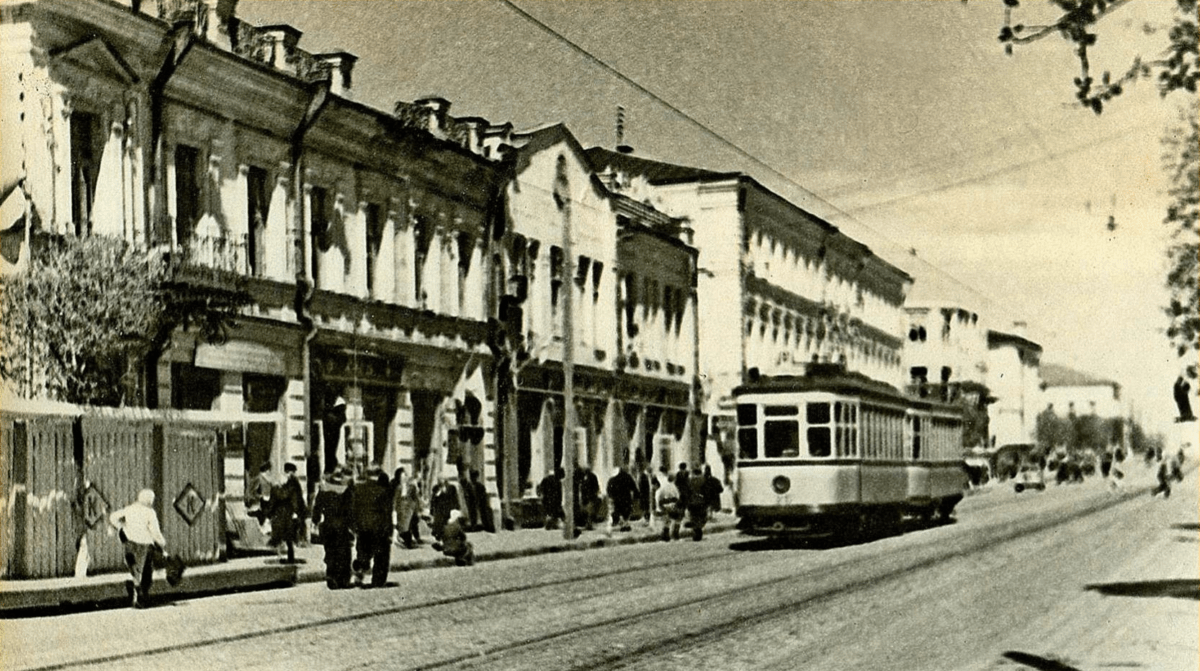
[(82, 323), (1175, 69)]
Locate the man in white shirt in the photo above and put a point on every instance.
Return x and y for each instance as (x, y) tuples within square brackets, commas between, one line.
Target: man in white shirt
[(142, 537)]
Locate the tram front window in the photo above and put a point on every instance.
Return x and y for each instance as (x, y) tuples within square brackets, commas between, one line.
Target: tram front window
[(782, 439), (819, 444), (748, 442), (747, 435)]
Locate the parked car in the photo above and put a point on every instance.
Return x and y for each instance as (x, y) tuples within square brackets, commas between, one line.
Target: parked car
[(1029, 477)]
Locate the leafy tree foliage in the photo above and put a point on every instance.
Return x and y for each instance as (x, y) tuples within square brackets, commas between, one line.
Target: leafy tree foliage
[(81, 324), (1176, 68), (1184, 164)]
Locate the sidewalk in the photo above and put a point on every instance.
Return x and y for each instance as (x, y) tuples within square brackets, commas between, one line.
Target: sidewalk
[(261, 572)]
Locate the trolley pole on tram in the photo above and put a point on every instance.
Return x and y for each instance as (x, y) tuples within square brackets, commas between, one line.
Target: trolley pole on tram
[(562, 198)]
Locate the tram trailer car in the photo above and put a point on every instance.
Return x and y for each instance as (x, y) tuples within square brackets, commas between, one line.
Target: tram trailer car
[(837, 452)]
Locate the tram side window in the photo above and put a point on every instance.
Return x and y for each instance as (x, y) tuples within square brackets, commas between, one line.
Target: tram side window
[(781, 439), (818, 435), (916, 438)]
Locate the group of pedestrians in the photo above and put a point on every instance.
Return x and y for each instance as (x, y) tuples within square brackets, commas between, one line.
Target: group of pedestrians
[(356, 519), (689, 493)]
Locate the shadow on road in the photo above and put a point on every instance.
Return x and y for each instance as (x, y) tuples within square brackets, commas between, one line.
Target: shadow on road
[(830, 540), (1184, 588), (1038, 662), (1190, 526)]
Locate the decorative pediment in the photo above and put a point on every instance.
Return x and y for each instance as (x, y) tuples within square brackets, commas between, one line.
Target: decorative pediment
[(95, 55)]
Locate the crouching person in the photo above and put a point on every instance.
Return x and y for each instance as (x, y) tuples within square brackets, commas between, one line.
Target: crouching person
[(454, 540), (143, 541)]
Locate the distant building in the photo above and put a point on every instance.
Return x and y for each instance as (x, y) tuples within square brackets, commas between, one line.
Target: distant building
[(778, 286), (1014, 381), (1071, 391)]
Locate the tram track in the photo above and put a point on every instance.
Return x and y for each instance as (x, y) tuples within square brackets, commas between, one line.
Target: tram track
[(680, 570), (738, 618)]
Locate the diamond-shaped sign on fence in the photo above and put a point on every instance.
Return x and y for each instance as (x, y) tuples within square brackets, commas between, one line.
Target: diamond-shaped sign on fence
[(189, 504), (95, 506)]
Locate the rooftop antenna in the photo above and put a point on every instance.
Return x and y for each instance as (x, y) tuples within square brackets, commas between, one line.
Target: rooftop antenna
[(621, 146)]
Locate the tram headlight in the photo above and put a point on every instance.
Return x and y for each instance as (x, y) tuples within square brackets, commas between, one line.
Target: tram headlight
[(781, 484)]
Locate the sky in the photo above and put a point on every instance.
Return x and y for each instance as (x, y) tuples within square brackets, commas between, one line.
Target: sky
[(902, 122)]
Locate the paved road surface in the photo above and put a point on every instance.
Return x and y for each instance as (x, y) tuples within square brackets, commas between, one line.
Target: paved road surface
[(1019, 580)]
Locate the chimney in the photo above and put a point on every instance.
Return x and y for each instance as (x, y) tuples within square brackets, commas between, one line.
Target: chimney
[(475, 127), (340, 65), (438, 109), (1020, 328), (497, 139), (285, 42), (215, 21)]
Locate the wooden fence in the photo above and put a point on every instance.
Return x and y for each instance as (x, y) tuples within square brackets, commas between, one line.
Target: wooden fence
[(62, 476)]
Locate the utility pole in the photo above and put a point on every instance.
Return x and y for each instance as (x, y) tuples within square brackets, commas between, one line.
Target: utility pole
[(562, 198)]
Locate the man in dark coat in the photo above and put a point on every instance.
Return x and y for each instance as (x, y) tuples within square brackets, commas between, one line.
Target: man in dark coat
[(621, 489), (371, 505), (589, 494), (550, 489), (697, 506), (712, 490), (682, 480), (287, 511), (486, 520), (443, 500), (331, 513)]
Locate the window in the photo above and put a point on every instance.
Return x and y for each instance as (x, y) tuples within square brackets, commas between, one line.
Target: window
[(747, 435), (818, 417), (187, 192), (781, 438), (318, 204), (916, 437), (257, 203), (374, 225), (747, 414), (423, 239), (748, 442), (556, 280), (86, 148)]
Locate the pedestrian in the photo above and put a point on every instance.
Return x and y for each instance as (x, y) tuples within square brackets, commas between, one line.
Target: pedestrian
[(621, 489), (142, 538), (550, 491), (669, 508), (288, 513), (371, 505), (1164, 480), (646, 486), (697, 502), (454, 540), (407, 502), (443, 499), (258, 493), (682, 476), (589, 494), (486, 520), (331, 513), (712, 491)]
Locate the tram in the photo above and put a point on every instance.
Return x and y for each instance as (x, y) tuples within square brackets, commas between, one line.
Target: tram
[(832, 452)]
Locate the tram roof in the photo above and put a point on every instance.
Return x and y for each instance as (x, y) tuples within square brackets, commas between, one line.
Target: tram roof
[(837, 380)]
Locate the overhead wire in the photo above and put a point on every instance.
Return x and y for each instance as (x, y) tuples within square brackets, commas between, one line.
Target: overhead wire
[(708, 131)]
